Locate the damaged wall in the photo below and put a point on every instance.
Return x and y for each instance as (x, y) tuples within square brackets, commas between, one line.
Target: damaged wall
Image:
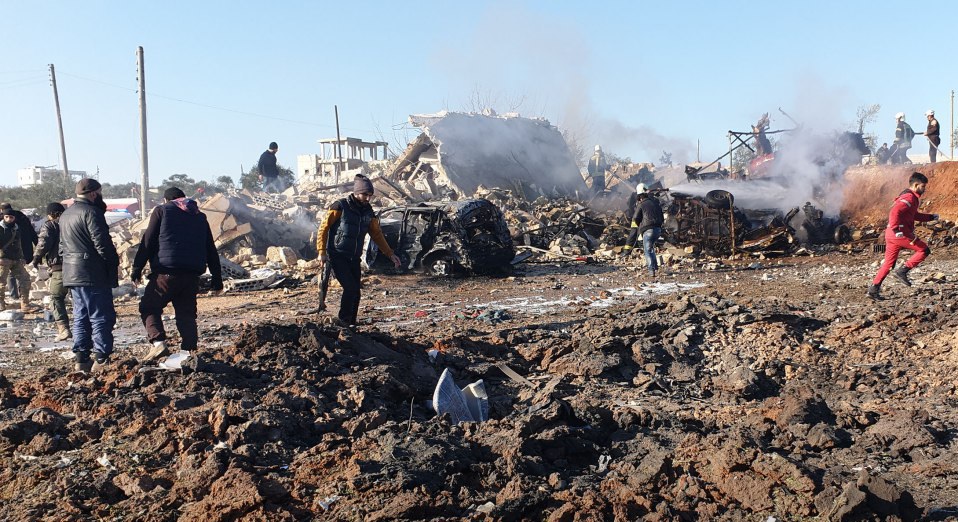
[(465, 151)]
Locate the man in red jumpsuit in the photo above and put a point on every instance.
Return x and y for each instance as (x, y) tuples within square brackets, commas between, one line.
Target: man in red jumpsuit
[(900, 234)]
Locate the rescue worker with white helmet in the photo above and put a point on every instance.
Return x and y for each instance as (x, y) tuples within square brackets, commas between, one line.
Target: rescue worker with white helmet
[(597, 168), (903, 136)]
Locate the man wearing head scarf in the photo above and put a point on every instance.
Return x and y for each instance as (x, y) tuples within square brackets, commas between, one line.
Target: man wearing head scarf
[(48, 251), (91, 270), (11, 259), (179, 246), (340, 243)]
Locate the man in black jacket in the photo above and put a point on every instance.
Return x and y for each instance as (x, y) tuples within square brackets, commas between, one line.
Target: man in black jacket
[(48, 251), (647, 222), (268, 171), (11, 259), (179, 245), (28, 238), (90, 271)]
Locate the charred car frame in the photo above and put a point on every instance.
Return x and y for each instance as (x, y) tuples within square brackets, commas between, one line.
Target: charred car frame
[(445, 238)]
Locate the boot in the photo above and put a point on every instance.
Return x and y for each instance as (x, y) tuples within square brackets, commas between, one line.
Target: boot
[(874, 291), (83, 363), (902, 275), (158, 350), (26, 307), (63, 331)]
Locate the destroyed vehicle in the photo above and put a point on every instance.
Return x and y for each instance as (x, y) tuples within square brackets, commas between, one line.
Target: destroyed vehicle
[(714, 225), (445, 238)]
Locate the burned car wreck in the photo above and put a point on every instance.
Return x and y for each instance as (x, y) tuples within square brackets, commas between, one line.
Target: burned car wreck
[(445, 238), (717, 227)]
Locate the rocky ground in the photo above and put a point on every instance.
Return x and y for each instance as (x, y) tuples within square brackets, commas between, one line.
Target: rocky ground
[(722, 390), (717, 391)]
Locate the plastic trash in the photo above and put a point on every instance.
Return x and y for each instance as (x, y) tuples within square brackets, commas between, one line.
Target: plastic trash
[(328, 501), (477, 400), (448, 398), (105, 462), (175, 361)]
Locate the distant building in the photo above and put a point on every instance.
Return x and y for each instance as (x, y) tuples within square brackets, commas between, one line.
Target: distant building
[(322, 167), (35, 175)]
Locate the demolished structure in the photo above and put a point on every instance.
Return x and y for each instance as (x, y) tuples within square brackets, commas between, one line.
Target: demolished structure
[(457, 153)]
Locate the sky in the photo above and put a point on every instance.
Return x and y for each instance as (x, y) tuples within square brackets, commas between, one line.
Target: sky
[(225, 78)]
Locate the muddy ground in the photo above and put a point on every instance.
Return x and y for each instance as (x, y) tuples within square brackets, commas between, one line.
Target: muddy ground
[(714, 392)]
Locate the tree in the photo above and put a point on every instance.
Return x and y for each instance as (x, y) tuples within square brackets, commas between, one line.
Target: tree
[(867, 114), (123, 190), (38, 196), (226, 182)]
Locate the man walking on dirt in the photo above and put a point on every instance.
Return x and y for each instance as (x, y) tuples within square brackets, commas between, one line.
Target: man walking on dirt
[(268, 171), (48, 250), (179, 246), (340, 243), (91, 272), (900, 234), (647, 223), (933, 132), (903, 136)]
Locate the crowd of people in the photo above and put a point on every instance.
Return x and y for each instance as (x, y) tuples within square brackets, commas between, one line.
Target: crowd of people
[(75, 245), (904, 135)]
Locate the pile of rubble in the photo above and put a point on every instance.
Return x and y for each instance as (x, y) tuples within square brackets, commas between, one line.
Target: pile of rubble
[(699, 407)]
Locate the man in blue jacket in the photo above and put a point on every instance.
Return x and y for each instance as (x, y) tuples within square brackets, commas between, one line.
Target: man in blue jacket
[(179, 246), (90, 270)]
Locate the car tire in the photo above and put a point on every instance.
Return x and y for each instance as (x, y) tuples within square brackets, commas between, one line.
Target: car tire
[(842, 234), (440, 266), (720, 199)]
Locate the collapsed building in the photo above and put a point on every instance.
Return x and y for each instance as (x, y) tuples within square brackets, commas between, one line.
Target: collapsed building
[(458, 152)]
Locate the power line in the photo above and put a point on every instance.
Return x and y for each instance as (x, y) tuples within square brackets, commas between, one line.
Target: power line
[(214, 107)]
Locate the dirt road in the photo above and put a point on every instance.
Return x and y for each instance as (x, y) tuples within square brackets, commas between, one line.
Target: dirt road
[(715, 392)]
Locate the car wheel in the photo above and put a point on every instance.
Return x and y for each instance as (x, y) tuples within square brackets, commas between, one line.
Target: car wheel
[(842, 234), (721, 199), (441, 266)]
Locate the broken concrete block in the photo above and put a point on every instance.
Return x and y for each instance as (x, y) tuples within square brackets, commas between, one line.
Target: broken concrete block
[(282, 255)]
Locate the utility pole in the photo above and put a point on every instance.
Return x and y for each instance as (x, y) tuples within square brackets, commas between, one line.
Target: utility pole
[(339, 146), (63, 147), (144, 159), (952, 133)]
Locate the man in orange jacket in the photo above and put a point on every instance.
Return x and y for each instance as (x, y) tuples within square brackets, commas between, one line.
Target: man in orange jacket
[(900, 234), (340, 243)]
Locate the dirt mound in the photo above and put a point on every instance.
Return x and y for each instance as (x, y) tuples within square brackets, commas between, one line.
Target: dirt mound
[(870, 190), (697, 407)]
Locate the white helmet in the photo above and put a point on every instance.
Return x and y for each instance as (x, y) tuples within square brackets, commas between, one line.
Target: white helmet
[(598, 148), (929, 112), (640, 188), (900, 116)]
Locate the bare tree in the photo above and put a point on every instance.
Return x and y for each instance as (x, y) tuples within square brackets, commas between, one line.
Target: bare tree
[(866, 114)]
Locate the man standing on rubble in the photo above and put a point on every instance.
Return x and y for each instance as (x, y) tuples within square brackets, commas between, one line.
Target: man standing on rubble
[(48, 250), (268, 171), (900, 234), (11, 259), (633, 205), (647, 222), (597, 168), (340, 243), (903, 136), (91, 272), (28, 238), (179, 245), (933, 133)]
